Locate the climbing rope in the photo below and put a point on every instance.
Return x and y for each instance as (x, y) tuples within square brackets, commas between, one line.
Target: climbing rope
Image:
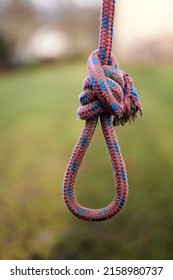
[(108, 91)]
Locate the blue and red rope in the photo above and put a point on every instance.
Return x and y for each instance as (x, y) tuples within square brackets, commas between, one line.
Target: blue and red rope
[(108, 91)]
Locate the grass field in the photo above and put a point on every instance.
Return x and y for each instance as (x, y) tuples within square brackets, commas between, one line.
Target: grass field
[(38, 130)]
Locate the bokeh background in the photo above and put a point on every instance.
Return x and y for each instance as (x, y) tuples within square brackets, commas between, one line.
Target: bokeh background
[(44, 45)]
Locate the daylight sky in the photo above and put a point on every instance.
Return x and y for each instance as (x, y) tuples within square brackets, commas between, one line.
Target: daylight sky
[(50, 3)]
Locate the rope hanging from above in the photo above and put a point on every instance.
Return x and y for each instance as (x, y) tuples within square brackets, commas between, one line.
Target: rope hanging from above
[(108, 91)]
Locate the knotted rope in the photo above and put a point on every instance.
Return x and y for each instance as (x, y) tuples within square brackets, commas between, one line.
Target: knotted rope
[(108, 91)]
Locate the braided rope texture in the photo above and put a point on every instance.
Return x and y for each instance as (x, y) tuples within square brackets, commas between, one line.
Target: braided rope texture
[(108, 91)]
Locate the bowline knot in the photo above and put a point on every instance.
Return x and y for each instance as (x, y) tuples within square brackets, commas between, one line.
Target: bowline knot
[(108, 89)]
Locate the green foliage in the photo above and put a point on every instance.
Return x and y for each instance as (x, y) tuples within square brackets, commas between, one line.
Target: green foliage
[(39, 128)]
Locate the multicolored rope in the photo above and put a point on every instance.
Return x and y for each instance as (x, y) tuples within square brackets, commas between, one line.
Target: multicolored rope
[(108, 91)]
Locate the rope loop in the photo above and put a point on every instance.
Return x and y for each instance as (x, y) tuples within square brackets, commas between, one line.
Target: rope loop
[(118, 166)]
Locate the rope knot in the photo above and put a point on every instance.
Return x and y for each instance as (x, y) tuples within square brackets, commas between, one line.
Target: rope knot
[(107, 89)]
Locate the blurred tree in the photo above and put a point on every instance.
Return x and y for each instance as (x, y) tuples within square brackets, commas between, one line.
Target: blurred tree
[(18, 16), (4, 53), (16, 23), (22, 18)]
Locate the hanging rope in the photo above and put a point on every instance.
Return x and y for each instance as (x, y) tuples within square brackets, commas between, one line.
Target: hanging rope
[(108, 91)]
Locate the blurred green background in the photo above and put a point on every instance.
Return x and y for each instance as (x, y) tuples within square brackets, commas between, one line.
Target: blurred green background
[(38, 130)]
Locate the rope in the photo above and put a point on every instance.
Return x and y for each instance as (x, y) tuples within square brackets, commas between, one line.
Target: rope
[(108, 91)]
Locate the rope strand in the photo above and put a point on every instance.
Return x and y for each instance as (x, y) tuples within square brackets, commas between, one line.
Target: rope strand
[(106, 30), (108, 91)]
